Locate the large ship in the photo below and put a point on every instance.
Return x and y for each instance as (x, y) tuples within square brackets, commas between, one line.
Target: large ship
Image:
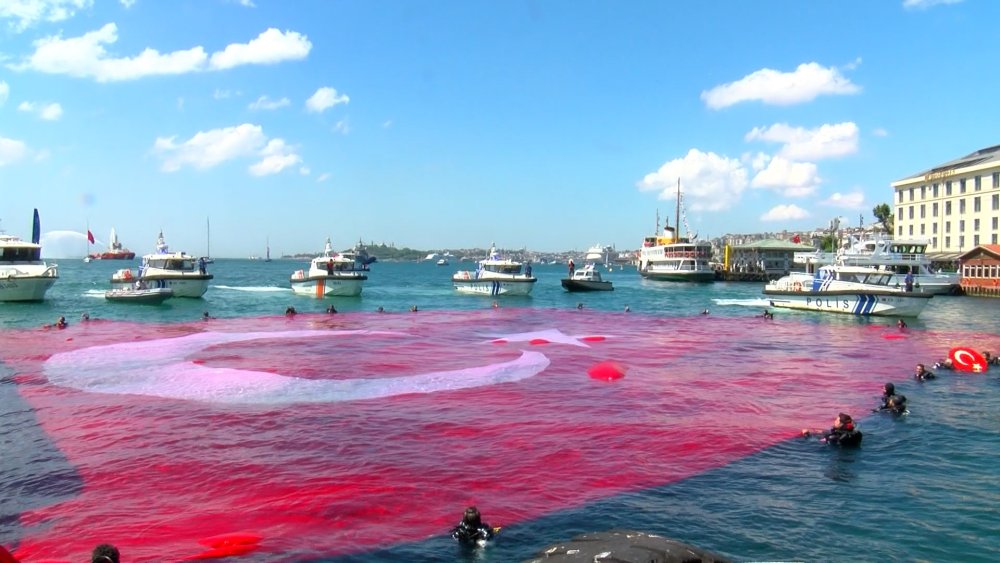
[(667, 256), (115, 250)]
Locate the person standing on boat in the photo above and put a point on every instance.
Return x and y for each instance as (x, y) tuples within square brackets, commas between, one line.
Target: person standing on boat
[(572, 267), (908, 280), (201, 265), (329, 266)]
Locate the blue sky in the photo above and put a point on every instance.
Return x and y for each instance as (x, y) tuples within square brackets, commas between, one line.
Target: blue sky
[(554, 124)]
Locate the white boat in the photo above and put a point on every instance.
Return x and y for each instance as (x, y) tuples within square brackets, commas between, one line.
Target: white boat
[(586, 278), (599, 254), (331, 273), (442, 262), (899, 256), (850, 290), (23, 274), (495, 276), (669, 257), (145, 296), (178, 271)]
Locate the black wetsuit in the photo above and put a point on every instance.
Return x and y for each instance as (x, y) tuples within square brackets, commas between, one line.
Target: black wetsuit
[(842, 437), (469, 534), (925, 376)]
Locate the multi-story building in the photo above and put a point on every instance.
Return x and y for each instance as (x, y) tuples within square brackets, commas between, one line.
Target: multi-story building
[(955, 205)]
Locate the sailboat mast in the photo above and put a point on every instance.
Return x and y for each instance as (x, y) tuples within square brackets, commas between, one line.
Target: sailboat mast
[(208, 237), (677, 219)]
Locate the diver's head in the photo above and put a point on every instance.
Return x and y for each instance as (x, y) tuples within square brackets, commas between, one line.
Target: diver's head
[(843, 422), (472, 517), (889, 389), (898, 402)]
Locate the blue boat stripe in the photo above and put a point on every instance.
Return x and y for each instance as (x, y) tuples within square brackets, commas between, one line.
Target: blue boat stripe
[(859, 305)]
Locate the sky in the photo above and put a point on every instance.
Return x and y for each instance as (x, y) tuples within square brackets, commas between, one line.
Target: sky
[(438, 124)]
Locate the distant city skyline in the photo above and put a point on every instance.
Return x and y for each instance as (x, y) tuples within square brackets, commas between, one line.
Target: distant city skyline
[(551, 125)]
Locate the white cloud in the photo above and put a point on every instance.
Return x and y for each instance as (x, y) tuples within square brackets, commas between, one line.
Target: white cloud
[(924, 4), (305, 171), (853, 200), (343, 127), (323, 177), (210, 148), (266, 103), (86, 56), (271, 46), (774, 87), (880, 132), (325, 98), (709, 181), (127, 3), (277, 156), (785, 213), (26, 13), (4, 92), (246, 3), (48, 112), (792, 179), (11, 151), (826, 141)]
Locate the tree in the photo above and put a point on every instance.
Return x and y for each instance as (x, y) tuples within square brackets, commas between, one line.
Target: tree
[(883, 213), (828, 243)]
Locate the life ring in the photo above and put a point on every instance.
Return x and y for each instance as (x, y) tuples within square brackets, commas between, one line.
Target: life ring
[(797, 286), (127, 275)]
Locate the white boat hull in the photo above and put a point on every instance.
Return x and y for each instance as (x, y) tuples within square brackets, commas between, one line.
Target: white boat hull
[(852, 303), (139, 296), (494, 287), (183, 286), (329, 286), (24, 288)]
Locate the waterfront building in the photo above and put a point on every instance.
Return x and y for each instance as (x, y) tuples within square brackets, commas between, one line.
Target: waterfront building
[(954, 205), (765, 259), (980, 268)]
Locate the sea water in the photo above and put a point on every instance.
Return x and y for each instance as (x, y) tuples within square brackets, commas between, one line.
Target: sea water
[(362, 436)]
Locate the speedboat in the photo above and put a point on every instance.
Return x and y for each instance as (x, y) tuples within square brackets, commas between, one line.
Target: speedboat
[(23, 274), (586, 278), (900, 256), (495, 275), (332, 273), (850, 290), (146, 296), (178, 271), (442, 262)]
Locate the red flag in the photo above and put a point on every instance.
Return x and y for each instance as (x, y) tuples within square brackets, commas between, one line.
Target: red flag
[(796, 239), (90, 236)]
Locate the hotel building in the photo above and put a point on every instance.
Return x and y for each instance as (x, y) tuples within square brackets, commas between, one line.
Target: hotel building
[(955, 205)]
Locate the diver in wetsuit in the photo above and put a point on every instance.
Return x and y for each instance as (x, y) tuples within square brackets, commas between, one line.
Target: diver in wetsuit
[(921, 373), (844, 433), (897, 405), (472, 530), (888, 390)]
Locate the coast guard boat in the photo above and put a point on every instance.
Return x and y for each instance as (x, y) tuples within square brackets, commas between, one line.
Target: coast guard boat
[(900, 256), (850, 290), (23, 274), (184, 274), (586, 278), (495, 276), (332, 273)]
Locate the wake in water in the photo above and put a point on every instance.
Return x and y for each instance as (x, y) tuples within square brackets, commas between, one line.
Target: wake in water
[(254, 289), (756, 303)]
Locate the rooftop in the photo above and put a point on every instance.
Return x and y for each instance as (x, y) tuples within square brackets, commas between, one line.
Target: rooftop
[(982, 156)]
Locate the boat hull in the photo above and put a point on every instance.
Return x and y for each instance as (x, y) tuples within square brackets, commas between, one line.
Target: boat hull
[(113, 256), (586, 285), (25, 288), (494, 287), (193, 286), (139, 296), (679, 276), (862, 303), (329, 286)]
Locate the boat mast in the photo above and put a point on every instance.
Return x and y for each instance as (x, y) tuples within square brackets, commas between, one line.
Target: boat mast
[(208, 237), (677, 219)]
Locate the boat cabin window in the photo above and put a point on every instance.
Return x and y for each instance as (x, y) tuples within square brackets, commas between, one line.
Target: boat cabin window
[(172, 264), (21, 254), (504, 269)]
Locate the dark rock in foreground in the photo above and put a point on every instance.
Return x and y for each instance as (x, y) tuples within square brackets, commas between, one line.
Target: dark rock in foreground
[(624, 546)]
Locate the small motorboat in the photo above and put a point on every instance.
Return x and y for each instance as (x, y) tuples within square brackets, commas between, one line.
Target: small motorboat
[(586, 278), (148, 296)]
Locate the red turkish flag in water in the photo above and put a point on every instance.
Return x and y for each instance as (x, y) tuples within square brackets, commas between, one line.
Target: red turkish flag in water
[(328, 435)]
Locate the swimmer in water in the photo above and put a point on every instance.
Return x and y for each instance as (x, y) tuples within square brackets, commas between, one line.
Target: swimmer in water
[(844, 432), (921, 373), (472, 530)]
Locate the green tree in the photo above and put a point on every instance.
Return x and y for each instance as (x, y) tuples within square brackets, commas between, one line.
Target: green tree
[(828, 243), (883, 213)]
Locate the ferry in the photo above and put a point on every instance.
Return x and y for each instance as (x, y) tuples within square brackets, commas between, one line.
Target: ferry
[(180, 272), (669, 257), (495, 276), (332, 274), (23, 274), (849, 290)]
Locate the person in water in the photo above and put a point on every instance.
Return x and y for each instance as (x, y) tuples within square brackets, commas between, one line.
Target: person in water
[(944, 364), (331, 310), (844, 432), (921, 373), (901, 323), (472, 530), (105, 553), (61, 323), (897, 405), (290, 311), (888, 390)]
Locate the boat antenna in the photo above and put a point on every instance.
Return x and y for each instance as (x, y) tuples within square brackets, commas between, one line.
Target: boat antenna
[(677, 219)]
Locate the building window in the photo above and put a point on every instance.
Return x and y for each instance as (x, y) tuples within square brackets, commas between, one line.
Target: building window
[(996, 202), (923, 212), (961, 186), (979, 183), (947, 208), (975, 225), (934, 210), (922, 233), (961, 226), (923, 193), (961, 242), (911, 211), (975, 240), (996, 180), (947, 242), (899, 231), (947, 226), (900, 198), (976, 206), (994, 238), (900, 210), (934, 228), (911, 194), (911, 230), (947, 188), (935, 190), (994, 223), (961, 206)]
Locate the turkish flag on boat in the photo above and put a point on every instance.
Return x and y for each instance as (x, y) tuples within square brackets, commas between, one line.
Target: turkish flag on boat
[(90, 236)]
